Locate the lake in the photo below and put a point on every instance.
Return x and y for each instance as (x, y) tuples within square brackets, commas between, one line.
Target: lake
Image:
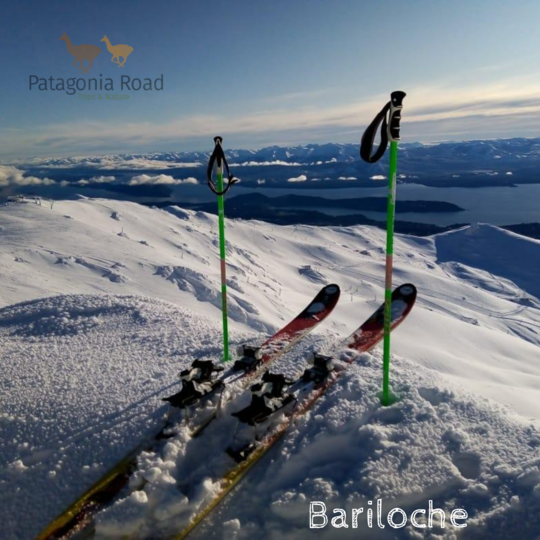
[(496, 205)]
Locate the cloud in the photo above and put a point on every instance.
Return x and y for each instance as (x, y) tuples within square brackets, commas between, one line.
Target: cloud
[(11, 176), (347, 178), (301, 178), (160, 179), (443, 111), (261, 181), (121, 162), (265, 164), (191, 180), (378, 177), (96, 180), (299, 96)]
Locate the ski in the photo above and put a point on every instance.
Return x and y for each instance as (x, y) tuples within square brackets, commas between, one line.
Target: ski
[(254, 361), (303, 393), (252, 364)]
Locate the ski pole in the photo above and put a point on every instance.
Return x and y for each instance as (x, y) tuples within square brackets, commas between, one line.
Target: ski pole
[(218, 158), (389, 119)]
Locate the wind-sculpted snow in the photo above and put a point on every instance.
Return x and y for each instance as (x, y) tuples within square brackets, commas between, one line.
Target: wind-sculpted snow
[(180, 212), (312, 273), (191, 281), (115, 277), (196, 283)]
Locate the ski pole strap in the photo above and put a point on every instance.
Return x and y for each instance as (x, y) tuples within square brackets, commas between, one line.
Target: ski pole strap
[(218, 158), (389, 121)]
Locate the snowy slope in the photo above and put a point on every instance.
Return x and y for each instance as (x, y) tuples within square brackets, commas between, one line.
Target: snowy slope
[(494, 250), (82, 375), (82, 378)]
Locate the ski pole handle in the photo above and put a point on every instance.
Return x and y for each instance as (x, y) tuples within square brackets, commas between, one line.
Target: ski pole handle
[(388, 121), (219, 160), (396, 104)]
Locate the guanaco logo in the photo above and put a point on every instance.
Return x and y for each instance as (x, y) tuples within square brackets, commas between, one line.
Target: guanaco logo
[(81, 53), (118, 51), (89, 52)]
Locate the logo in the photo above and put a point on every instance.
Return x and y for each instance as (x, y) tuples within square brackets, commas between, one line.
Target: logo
[(81, 53), (118, 51), (90, 52), (84, 56)]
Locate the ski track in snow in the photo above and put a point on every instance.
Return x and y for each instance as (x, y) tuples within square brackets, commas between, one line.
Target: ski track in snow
[(104, 309)]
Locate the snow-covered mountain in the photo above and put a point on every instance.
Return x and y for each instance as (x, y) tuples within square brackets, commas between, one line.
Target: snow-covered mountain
[(103, 302), (500, 162), (514, 150)]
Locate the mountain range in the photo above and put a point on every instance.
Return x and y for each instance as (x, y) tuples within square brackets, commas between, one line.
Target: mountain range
[(465, 164)]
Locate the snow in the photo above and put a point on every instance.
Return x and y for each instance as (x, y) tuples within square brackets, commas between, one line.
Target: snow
[(514, 258), (102, 310), (82, 378)]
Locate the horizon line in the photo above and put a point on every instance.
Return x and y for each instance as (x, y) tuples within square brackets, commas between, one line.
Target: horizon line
[(259, 148)]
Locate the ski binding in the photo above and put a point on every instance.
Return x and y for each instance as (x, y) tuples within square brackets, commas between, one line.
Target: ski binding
[(322, 366), (198, 381), (250, 358)]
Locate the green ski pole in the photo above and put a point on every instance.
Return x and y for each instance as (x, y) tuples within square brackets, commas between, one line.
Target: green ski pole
[(218, 158), (390, 131), (222, 255)]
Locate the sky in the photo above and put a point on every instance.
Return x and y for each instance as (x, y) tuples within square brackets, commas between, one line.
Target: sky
[(262, 73)]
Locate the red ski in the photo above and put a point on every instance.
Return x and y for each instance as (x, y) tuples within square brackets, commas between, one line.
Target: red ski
[(254, 361)]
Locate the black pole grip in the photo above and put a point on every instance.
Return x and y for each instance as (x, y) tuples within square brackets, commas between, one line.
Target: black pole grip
[(218, 140), (396, 104), (218, 158), (387, 122)]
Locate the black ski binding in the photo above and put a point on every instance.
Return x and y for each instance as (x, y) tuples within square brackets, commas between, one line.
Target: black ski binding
[(322, 366), (242, 453), (268, 398), (197, 382), (249, 358)]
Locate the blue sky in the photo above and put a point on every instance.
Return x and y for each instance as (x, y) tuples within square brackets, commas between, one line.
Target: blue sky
[(260, 73)]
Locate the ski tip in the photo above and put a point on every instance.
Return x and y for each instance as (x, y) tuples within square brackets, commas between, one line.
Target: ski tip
[(332, 289), (405, 293), (325, 301), (407, 289)]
